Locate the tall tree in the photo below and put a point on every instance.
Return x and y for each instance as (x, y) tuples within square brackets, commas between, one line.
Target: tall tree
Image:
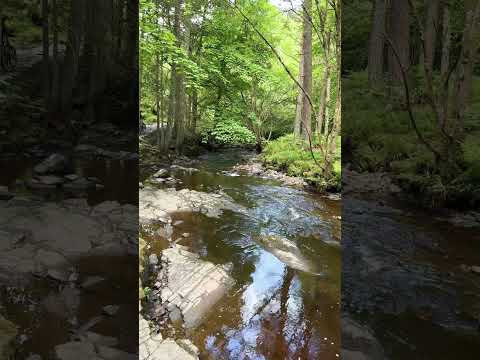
[(431, 30), (399, 33), (307, 70), (377, 44), (180, 80), (46, 51)]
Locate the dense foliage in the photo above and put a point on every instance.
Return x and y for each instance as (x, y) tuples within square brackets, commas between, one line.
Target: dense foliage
[(227, 73), (438, 165)]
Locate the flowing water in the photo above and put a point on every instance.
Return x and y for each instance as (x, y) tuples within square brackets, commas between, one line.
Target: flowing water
[(282, 306), (404, 276)]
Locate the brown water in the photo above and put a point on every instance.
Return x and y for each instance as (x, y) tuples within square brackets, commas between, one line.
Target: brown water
[(24, 303), (403, 277), (274, 311)]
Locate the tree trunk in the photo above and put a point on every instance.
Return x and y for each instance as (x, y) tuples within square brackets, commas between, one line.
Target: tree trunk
[(180, 82), (46, 53), (431, 29), (162, 106), (377, 45), (54, 87), (298, 114), (322, 120), (463, 84), (400, 37), (445, 41), (194, 111), (307, 70), (70, 63), (157, 95), (327, 109)]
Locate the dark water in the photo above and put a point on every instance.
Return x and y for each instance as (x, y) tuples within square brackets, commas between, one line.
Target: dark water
[(274, 311), (119, 178), (403, 276)]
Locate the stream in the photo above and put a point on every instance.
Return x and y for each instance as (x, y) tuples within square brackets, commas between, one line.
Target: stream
[(407, 275), (279, 308)]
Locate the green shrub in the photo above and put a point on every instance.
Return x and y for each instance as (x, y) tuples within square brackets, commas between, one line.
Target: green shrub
[(229, 132)]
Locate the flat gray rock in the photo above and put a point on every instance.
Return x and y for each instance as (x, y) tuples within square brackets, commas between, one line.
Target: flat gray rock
[(194, 286)]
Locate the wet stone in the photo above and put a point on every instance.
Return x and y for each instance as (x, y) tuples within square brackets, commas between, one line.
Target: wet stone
[(50, 180), (194, 286), (91, 281), (161, 173), (53, 163), (5, 194), (110, 310)]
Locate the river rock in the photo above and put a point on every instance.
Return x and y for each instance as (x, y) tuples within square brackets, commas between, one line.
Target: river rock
[(109, 353), (98, 339), (79, 185), (154, 203), (50, 179), (91, 281), (5, 194), (75, 350), (194, 286), (359, 342), (153, 259), (183, 169), (287, 252), (52, 164), (51, 259), (110, 310), (71, 177), (152, 346), (162, 173)]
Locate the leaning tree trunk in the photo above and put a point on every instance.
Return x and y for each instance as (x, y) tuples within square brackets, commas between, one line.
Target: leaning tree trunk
[(298, 115)]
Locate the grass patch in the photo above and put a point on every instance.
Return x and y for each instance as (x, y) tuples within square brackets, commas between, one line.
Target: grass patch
[(293, 157)]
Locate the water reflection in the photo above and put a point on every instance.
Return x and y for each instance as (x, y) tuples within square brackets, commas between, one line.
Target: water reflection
[(275, 312)]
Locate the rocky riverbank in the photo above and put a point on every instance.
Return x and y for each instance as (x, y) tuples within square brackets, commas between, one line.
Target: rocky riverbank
[(183, 289), (252, 166), (44, 247), (380, 188)]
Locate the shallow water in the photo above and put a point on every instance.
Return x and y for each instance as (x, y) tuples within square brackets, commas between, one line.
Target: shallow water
[(40, 330), (402, 276), (274, 311), (119, 177)]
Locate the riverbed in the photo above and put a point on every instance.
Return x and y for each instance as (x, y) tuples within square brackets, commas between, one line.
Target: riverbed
[(282, 306)]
